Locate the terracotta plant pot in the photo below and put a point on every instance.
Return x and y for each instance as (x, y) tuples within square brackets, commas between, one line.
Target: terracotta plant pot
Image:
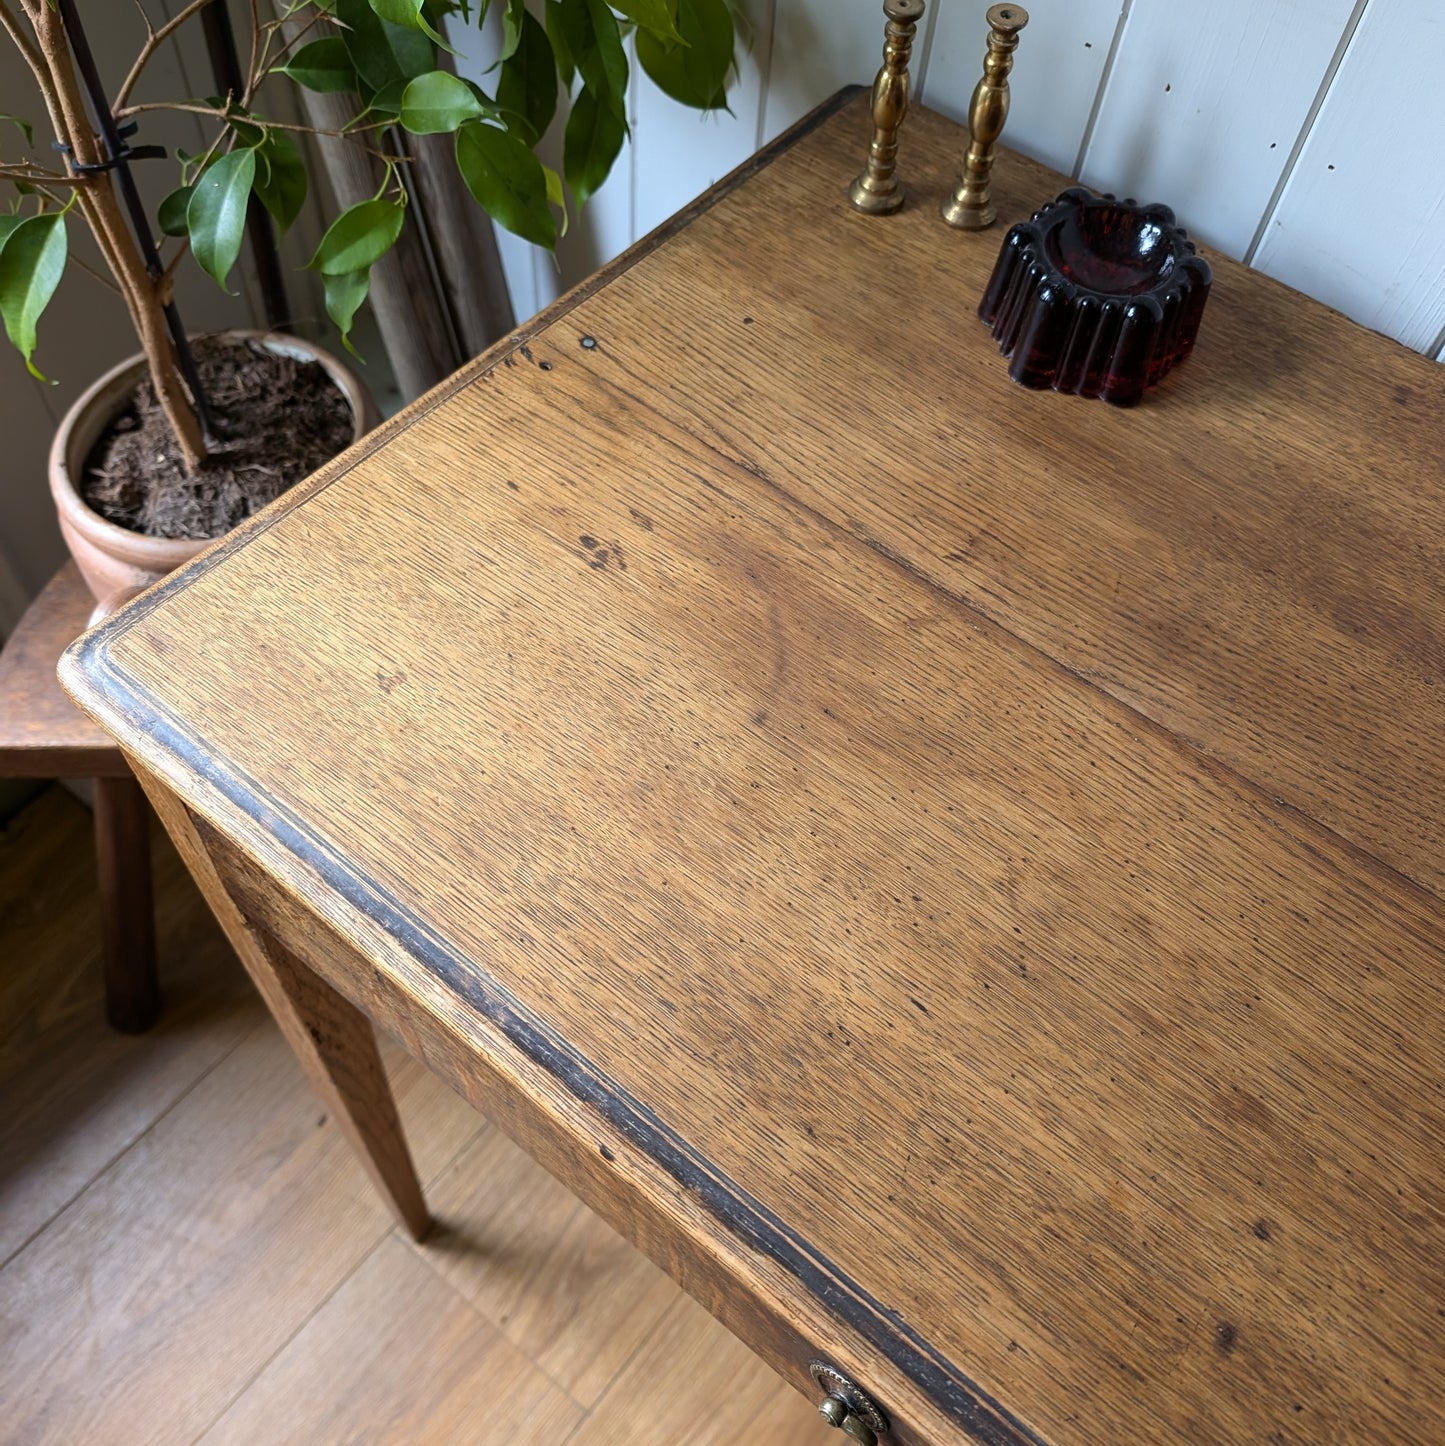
[(116, 562)]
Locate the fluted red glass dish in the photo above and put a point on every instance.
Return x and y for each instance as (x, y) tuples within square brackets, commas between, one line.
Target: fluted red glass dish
[(1096, 296)]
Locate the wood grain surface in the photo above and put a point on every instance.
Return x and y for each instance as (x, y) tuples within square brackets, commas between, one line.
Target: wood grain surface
[(42, 733), (951, 871), (128, 931)]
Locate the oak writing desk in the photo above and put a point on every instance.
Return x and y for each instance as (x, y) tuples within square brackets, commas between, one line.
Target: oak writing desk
[(952, 872)]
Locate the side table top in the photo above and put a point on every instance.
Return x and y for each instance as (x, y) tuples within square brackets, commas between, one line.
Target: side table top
[(971, 856), (42, 733)]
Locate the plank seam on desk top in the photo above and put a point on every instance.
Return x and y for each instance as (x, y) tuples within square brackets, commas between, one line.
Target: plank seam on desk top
[(1277, 808), (743, 1217)]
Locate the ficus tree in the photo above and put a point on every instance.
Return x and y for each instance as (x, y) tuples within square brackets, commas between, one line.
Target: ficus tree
[(391, 56)]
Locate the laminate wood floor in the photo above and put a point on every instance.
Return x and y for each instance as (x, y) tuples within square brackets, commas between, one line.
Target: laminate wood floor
[(188, 1251)]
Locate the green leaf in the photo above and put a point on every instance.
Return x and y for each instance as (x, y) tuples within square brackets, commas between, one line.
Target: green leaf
[(248, 134), (694, 73), (8, 222), (323, 65), (171, 216), (25, 126), (358, 236), (408, 15), (386, 102), (436, 104), (654, 17), (566, 67), (594, 137), (399, 12), (555, 194), (528, 82), (380, 51), (595, 45), (344, 294), (513, 16), (507, 181), (283, 187), (32, 260), (216, 213)]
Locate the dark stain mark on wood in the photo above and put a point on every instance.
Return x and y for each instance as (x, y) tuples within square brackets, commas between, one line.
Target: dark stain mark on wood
[(607, 1154), (641, 519), (1226, 1335), (1261, 1229), (388, 681), (526, 351), (601, 555), (747, 321), (514, 486), (1404, 395), (919, 1005)]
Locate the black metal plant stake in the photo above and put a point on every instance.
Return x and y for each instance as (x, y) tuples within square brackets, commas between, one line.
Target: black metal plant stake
[(117, 159)]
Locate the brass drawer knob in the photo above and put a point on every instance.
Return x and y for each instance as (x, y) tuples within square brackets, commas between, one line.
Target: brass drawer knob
[(847, 1407)]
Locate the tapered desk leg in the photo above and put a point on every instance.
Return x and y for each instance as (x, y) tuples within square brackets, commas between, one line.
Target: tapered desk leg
[(127, 917), (331, 1037)]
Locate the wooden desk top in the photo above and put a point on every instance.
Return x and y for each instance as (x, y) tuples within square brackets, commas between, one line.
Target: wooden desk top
[(967, 858)]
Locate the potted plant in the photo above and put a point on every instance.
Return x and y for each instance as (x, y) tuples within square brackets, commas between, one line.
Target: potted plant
[(171, 445)]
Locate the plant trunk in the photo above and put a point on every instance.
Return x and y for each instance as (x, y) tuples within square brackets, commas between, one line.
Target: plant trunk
[(97, 202), (463, 246)]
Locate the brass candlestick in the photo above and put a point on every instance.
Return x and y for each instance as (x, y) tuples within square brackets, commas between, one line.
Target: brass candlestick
[(876, 191), (969, 208)]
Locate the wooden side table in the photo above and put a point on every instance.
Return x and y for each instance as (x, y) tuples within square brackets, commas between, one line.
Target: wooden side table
[(952, 872), (44, 735)]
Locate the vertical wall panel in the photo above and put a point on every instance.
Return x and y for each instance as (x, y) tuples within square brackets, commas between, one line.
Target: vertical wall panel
[(819, 45), (1204, 104), (680, 153), (602, 229), (1057, 70), (1361, 221)]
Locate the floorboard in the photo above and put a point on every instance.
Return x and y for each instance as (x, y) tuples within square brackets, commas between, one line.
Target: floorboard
[(188, 1251)]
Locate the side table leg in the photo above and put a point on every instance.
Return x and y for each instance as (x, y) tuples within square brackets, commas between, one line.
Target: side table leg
[(127, 914), (331, 1037)]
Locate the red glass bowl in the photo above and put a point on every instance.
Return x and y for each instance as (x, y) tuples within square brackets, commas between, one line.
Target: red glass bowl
[(1096, 296)]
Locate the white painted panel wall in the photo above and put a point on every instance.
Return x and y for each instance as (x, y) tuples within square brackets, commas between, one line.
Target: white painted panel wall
[(819, 45), (1203, 106), (1207, 107), (1361, 220), (679, 153), (1061, 58)]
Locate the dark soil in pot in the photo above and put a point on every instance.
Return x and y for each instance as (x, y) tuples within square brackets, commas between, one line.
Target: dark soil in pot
[(275, 420)]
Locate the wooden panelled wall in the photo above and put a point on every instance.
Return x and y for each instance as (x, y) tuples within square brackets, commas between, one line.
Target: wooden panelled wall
[(1304, 136)]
